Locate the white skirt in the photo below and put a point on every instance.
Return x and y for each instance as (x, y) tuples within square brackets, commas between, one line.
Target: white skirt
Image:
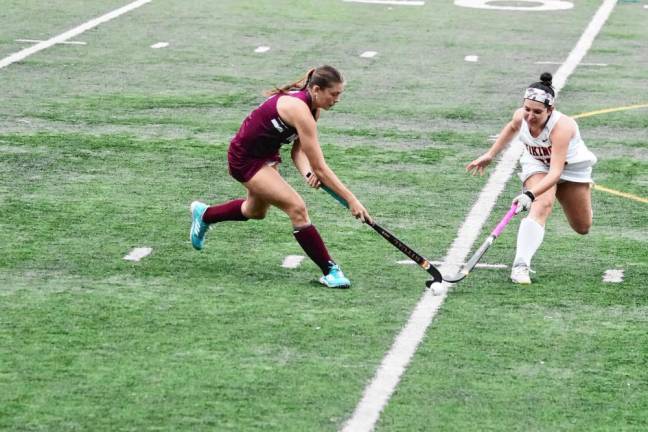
[(579, 172)]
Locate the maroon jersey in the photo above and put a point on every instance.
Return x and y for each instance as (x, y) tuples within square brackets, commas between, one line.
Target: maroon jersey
[(260, 136)]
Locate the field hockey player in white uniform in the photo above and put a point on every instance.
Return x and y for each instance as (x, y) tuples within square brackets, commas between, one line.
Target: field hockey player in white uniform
[(555, 164)]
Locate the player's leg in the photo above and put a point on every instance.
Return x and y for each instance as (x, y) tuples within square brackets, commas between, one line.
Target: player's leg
[(268, 187), (531, 231), (576, 201), (255, 207), (203, 216)]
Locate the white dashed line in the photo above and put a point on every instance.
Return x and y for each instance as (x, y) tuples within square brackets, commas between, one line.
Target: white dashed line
[(138, 253), (292, 261), (613, 276)]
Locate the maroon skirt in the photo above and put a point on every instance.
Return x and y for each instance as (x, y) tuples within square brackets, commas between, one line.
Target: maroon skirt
[(243, 166)]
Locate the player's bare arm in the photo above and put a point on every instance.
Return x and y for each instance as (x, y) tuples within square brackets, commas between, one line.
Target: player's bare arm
[(508, 132), (303, 166), (297, 114)]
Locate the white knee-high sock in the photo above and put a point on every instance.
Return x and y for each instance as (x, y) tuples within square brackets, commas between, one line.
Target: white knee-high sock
[(529, 239)]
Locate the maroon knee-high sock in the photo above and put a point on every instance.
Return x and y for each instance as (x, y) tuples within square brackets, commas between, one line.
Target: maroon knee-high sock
[(309, 239), (229, 211)]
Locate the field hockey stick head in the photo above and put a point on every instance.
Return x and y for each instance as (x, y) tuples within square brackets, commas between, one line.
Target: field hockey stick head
[(450, 279), (434, 272), (456, 277)]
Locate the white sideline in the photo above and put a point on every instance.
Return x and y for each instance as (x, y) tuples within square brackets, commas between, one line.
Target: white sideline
[(379, 390), (22, 54)]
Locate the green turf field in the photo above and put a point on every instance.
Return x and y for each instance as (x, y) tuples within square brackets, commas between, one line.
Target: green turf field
[(103, 146)]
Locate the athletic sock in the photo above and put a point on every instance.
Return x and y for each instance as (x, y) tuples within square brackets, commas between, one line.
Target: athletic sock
[(529, 239), (229, 211), (310, 240)]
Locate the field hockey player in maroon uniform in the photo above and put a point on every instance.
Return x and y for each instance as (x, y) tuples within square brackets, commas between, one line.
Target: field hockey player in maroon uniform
[(289, 115)]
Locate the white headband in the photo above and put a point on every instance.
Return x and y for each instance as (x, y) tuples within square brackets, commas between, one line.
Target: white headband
[(539, 95)]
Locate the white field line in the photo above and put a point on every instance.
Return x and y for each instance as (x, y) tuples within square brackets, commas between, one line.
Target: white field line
[(39, 41), (584, 44), (379, 390), (160, 45), (368, 54), (21, 55)]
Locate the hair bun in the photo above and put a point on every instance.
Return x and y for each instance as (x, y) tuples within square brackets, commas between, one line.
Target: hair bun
[(546, 78)]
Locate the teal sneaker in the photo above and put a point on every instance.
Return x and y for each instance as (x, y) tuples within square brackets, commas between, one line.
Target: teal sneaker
[(198, 227), (335, 278)]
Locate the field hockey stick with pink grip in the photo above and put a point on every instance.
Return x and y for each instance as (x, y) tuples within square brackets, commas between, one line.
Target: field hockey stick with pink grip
[(479, 253)]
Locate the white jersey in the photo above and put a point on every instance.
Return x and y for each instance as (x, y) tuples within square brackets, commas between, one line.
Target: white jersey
[(540, 148)]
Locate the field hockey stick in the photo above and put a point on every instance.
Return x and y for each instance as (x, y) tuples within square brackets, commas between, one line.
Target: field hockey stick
[(423, 262), (474, 259)]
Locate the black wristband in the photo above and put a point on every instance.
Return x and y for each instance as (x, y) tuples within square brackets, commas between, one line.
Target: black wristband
[(530, 195)]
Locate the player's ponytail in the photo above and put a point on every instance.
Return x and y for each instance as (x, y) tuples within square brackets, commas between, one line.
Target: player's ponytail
[(323, 76), (309, 77)]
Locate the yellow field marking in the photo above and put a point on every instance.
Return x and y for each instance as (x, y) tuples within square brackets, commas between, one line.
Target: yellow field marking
[(609, 110), (605, 111), (621, 194)]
